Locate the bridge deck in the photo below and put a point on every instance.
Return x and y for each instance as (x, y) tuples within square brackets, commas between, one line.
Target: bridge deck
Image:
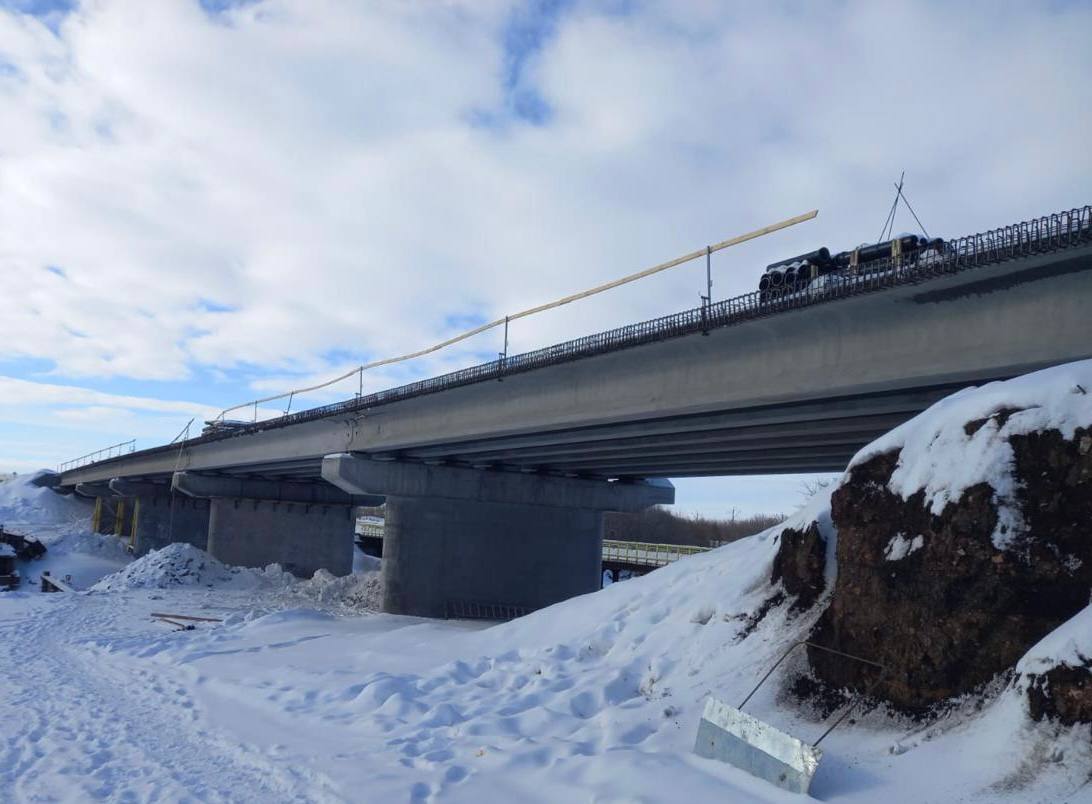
[(794, 383)]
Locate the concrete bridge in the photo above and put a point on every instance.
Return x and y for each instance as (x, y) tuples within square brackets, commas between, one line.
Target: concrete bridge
[(520, 457)]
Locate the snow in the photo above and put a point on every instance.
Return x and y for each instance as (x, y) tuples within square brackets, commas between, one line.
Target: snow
[(938, 457), (21, 502), (6, 550), (177, 564), (900, 547), (1069, 644), (183, 565), (304, 692)]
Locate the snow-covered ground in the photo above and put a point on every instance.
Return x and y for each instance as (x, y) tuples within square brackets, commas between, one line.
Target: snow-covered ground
[(302, 693)]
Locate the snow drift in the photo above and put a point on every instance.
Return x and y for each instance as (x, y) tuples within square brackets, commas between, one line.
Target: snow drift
[(24, 503)]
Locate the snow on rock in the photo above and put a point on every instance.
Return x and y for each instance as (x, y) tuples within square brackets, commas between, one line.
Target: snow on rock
[(806, 562), (1056, 674), (963, 440), (6, 550), (900, 547), (1069, 644), (963, 539)]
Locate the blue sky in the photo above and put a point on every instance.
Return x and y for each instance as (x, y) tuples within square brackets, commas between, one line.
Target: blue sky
[(205, 202)]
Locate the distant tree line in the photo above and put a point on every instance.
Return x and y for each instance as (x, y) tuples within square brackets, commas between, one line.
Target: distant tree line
[(661, 526)]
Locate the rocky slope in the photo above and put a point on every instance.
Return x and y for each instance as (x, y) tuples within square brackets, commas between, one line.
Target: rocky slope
[(964, 538)]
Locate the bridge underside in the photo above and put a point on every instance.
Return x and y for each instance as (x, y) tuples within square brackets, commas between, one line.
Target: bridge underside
[(802, 437)]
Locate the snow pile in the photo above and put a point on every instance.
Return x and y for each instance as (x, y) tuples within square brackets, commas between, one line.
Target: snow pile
[(356, 592), (942, 455), (6, 550), (178, 564), (183, 565), (24, 503)]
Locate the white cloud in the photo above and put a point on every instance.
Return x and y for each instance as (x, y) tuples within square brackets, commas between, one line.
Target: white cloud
[(42, 423), (312, 166), (17, 393)]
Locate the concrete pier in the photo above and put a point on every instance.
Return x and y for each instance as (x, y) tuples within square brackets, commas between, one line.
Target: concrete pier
[(303, 527), (462, 542), (301, 537), (456, 558)]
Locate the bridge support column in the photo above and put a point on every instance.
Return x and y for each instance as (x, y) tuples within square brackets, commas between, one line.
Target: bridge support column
[(460, 558), (160, 518), (468, 543), (105, 515), (253, 523)]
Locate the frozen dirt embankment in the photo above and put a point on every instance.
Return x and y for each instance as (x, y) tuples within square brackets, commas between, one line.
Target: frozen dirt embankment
[(964, 538)]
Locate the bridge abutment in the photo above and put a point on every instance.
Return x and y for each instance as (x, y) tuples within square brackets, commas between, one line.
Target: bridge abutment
[(462, 542), (303, 527)]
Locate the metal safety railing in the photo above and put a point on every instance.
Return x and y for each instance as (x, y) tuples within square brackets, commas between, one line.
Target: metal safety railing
[(483, 610), (370, 530), (646, 554), (540, 308), (112, 451), (1049, 233)]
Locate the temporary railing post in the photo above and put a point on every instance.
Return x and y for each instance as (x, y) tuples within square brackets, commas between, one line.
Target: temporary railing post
[(503, 355), (709, 274), (707, 299)]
